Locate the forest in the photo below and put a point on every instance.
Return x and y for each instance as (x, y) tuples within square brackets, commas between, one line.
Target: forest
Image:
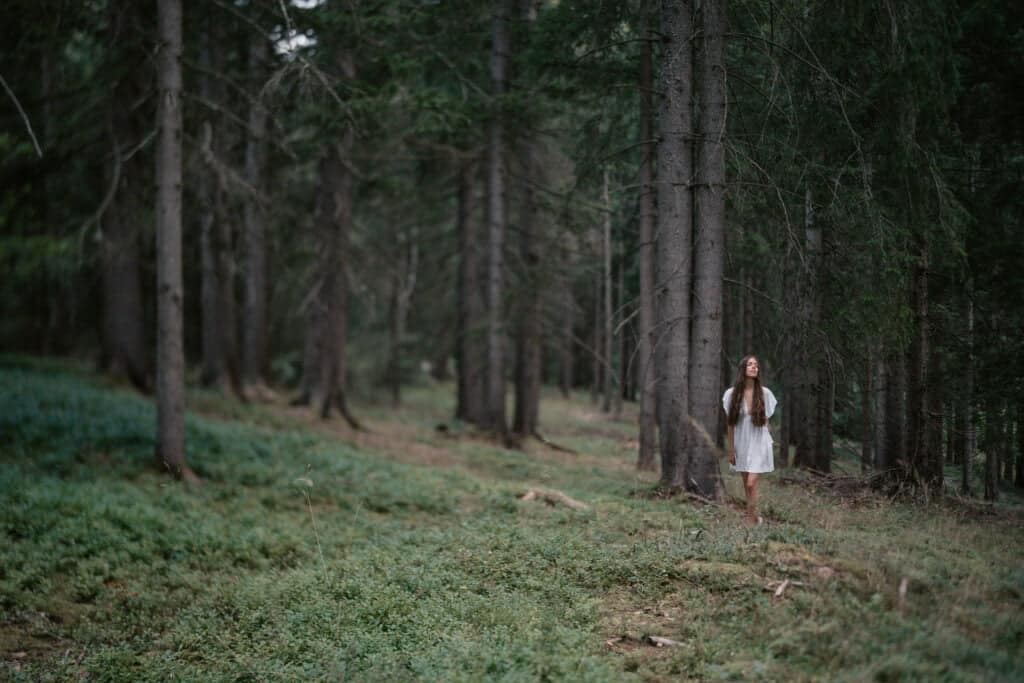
[(387, 339)]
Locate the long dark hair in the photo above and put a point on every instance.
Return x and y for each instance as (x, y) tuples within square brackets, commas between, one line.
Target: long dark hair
[(757, 415)]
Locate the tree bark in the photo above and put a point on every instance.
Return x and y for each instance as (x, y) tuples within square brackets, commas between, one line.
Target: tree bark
[(895, 403), (565, 375), (403, 285), (254, 312), (675, 231), (809, 385), (867, 391), (1019, 481), (219, 342), (709, 253), (646, 372), (496, 214), (991, 443), (595, 386), (471, 321), (606, 278), (528, 337), (170, 443), (124, 351), (924, 464), (970, 434), (881, 383), (334, 216)]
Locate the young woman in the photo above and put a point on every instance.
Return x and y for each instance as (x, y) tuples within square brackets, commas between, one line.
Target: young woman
[(748, 406)]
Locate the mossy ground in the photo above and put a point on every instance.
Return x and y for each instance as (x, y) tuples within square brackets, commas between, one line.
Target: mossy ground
[(312, 553)]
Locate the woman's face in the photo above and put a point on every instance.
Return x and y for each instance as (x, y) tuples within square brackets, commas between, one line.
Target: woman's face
[(752, 368)]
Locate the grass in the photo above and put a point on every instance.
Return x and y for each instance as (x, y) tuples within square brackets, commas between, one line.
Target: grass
[(312, 553)]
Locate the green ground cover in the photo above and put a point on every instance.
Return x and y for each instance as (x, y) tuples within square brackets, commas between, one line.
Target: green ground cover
[(314, 554)]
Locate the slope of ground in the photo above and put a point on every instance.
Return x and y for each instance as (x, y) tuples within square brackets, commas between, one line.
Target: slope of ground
[(313, 553)]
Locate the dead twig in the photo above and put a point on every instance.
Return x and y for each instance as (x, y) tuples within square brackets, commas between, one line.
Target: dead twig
[(552, 497)]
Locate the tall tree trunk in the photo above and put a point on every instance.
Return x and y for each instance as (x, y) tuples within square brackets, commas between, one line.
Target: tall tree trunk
[(646, 371), (991, 443), (219, 367), (170, 372), (896, 411), (496, 214), (1019, 481), (1006, 445), (254, 312), (748, 313), (565, 375), (970, 433), (403, 286), (625, 383), (675, 232), (921, 385), (709, 253), (335, 219), (881, 461), (528, 337), (826, 408), (471, 321), (867, 391), (606, 277), (124, 339), (595, 386), (809, 385)]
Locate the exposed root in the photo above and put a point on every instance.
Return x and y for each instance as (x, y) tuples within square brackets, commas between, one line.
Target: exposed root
[(552, 497), (551, 444)]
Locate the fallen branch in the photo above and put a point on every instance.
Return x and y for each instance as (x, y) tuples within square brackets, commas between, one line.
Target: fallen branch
[(658, 641), (552, 497), (551, 444)]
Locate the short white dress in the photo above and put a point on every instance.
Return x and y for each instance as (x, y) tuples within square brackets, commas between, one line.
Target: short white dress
[(753, 444)]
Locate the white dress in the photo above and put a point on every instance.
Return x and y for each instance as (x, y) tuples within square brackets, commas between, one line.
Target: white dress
[(753, 444)]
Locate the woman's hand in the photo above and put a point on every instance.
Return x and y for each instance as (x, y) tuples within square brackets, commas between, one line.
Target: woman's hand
[(732, 457)]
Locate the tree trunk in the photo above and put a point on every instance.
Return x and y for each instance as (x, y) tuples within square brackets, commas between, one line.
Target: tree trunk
[(810, 393), (470, 349), (646, 372), (595, 386), (565, 375), (675, 231), (124, 339), (896, 410), (335, 219), (528, 337), (1019, 481), (170, 372), (924, 465), (219, 366), (881, 383), (867, 390), (403, 285), (496, 213), (606, 251), (254, 312), (991, 443), (625, 383), (748, 314), (709, 253), (967, 407)]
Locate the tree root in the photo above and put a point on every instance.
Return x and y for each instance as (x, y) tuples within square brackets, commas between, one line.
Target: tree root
[(552, 497), (551, 444)]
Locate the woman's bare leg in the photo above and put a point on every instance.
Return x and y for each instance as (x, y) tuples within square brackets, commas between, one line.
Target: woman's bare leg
[(750, 485)]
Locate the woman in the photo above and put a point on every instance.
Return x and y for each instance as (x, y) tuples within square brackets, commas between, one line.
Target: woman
[(748, 406)]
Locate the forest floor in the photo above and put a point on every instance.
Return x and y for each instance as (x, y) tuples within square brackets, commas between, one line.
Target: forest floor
[(407, 553)]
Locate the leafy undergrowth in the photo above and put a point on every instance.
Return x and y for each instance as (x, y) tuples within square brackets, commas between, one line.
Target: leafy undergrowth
[(312, 553)]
